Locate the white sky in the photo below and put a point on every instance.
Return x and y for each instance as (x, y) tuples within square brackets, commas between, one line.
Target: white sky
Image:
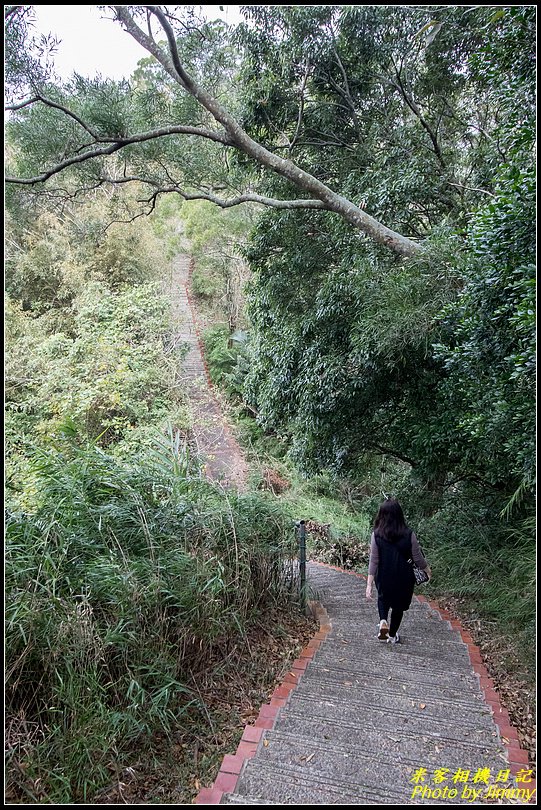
[(92, 44)]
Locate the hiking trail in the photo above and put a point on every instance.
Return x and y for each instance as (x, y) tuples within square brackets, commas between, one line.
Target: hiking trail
[(217, 448), (360, 721), (357, 721)]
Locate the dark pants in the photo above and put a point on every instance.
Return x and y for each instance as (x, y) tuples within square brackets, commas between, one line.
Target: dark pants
[(396, 615)]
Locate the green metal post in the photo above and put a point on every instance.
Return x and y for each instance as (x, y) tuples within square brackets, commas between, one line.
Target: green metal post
[(302, 562)]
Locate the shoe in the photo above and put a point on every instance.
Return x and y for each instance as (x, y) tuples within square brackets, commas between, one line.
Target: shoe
[(383, 631), (394, 639)]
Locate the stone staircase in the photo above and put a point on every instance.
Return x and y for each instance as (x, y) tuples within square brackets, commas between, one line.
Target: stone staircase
[(366, 716), (216, 446)]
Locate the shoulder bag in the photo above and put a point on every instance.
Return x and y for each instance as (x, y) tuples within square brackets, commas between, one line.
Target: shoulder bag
[(420, 576)]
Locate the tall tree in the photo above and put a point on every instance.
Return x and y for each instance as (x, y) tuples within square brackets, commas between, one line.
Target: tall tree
[(345, 345)]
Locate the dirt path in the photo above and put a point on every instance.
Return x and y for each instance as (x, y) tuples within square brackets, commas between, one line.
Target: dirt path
[(216, 446)]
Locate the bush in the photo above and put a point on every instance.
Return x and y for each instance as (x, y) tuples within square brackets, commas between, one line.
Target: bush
[(228, 358), (110, 374), (120, 586)]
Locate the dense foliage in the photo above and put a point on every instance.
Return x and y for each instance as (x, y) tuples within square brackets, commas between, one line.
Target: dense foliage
[(411, 377), (81, 343), (125, 570), (121, 582), (431, 359)]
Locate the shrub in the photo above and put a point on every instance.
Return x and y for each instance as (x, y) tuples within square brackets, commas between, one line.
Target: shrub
[(120, 585)]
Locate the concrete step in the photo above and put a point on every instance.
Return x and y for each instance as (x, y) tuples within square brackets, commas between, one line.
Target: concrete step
[(429, 694), (280, 783), (311, 695), (234, 798), (425, 690), (388, 667), (413, 641), (425, 646), (408, 748), (346, 622), (384, 721)]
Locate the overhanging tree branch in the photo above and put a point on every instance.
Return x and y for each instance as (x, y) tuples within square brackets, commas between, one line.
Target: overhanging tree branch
[(115, 145), (56, 106), (240, 138), (248, 197), (388, 451), (317, 193), (301, 110), (399, 85)]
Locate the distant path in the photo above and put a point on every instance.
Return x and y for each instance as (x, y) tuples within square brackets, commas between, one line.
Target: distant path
[(217, 448)]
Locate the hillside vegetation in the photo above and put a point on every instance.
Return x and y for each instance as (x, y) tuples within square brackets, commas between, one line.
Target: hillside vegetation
[(357, 186)]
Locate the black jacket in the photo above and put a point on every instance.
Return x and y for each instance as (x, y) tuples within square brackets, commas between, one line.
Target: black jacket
[(394, 578)]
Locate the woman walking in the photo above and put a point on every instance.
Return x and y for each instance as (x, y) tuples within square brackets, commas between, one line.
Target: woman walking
[(392, 544)]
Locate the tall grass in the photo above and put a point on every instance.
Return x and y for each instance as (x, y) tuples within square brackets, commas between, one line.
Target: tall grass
[(485, 560), (120, 585)]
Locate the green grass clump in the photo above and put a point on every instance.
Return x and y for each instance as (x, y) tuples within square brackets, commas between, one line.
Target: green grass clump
[(121, 585), (479, 558)]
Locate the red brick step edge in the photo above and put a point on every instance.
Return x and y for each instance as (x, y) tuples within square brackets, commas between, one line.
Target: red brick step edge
[(231, 766)]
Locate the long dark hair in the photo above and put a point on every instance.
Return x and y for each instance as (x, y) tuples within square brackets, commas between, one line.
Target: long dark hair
[(390, 523)]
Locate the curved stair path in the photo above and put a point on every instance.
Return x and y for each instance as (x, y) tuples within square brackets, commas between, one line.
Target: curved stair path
[(218, 449), (356, 719)]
